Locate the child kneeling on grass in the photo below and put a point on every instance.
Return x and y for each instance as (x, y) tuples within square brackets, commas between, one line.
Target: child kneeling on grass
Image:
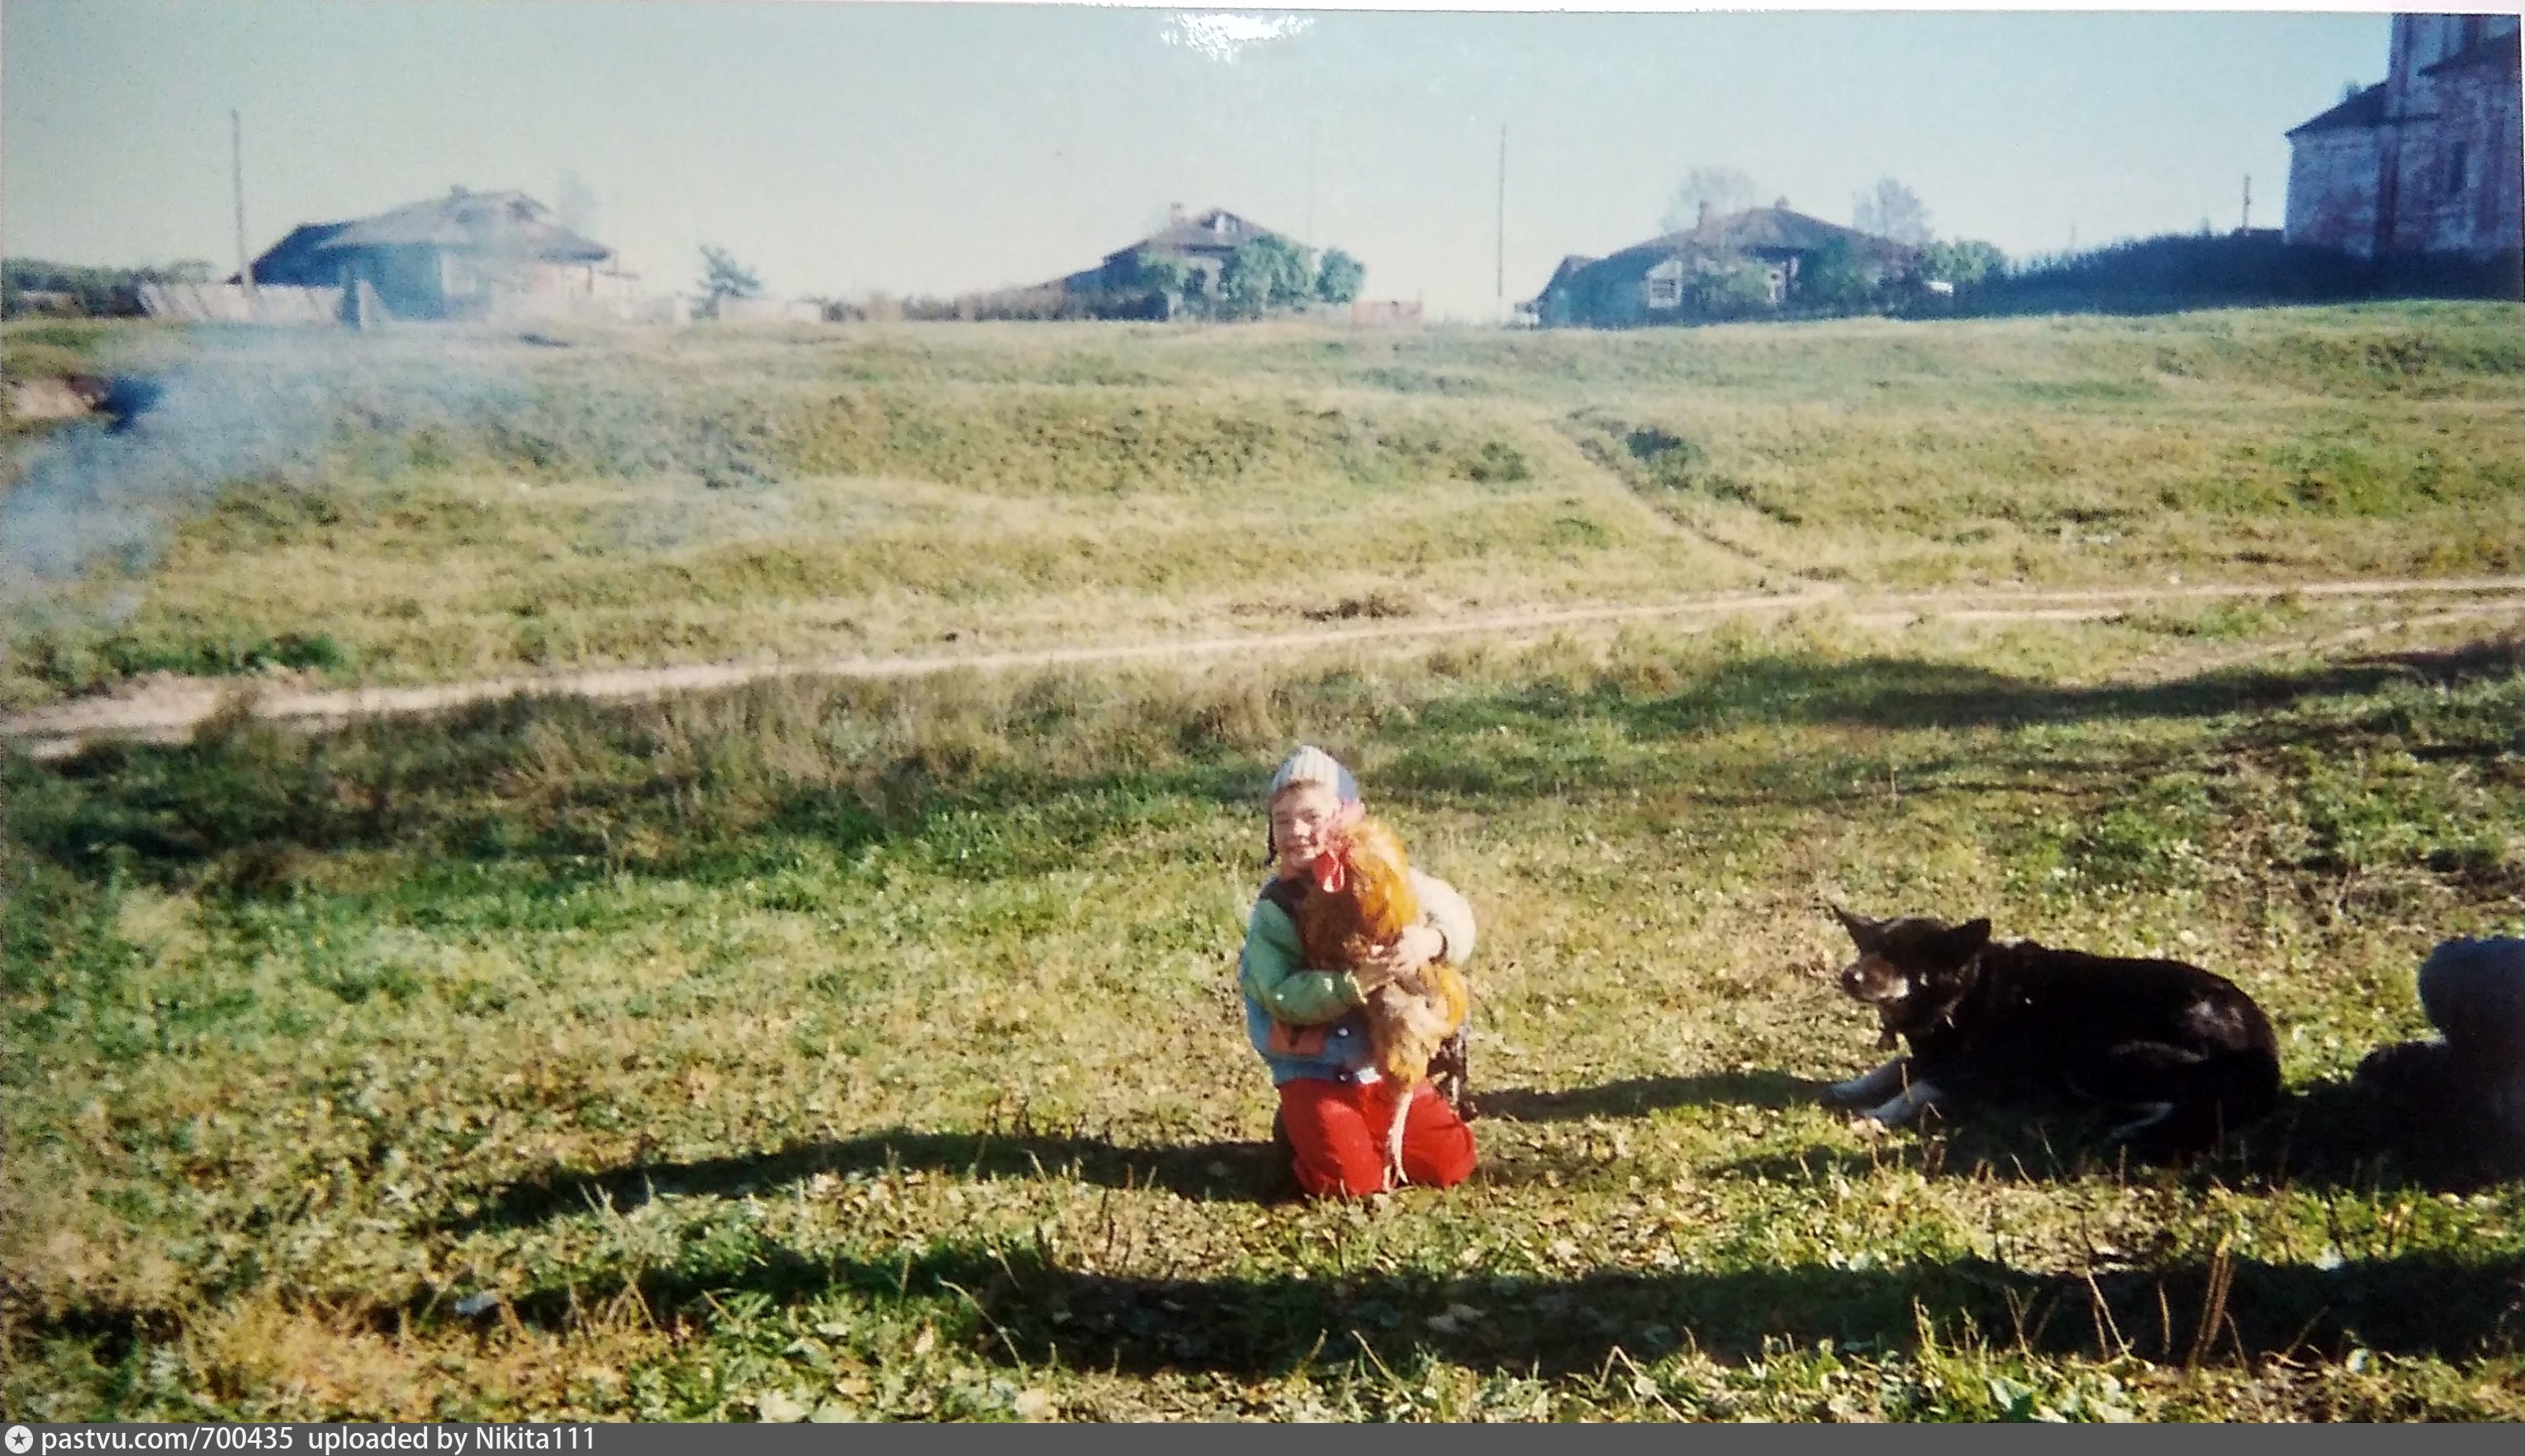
[(1307, 1022)]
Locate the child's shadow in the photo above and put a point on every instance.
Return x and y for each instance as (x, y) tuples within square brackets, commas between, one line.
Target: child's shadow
[(1638, 1096), (1234, 1172)]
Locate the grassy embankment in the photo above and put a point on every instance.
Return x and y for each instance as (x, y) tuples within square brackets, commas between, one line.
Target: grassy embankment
[(421, 512)]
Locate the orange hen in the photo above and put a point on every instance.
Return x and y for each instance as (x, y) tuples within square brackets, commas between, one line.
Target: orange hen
[(1358, 899)]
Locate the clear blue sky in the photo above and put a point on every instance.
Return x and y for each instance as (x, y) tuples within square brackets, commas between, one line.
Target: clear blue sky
[(939, 148)]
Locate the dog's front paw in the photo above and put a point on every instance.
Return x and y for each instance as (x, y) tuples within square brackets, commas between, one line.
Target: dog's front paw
[(1843, 1094)]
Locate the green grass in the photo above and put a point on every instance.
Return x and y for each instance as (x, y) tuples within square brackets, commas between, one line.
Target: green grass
[(464, 505), (870, 1050)]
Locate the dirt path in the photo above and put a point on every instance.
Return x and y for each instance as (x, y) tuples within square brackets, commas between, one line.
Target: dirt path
[(168, 710), (1673, 521)]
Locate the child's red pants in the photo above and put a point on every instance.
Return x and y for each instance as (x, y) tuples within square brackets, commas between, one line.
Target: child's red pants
[(1338, 1129)]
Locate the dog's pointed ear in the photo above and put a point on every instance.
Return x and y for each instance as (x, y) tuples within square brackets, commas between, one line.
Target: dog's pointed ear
[(1966, 940), (1863, 932)]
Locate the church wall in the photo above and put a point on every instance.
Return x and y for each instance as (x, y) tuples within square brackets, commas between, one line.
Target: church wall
[(2486, 113), (2454, 144), (2475, 128), (2332, 190)]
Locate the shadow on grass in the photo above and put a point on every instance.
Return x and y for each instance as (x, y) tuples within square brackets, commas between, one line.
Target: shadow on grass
[(2333, 1135), (1235, 1172), (1240, 1172), (234, 808), (1638, 1096), (1016, 1305), (240, 810), (1462, 758)]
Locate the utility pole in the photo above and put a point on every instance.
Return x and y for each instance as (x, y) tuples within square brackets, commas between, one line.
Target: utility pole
[(236, 175), (1502, 281), (2248, 225), (1311, 239)]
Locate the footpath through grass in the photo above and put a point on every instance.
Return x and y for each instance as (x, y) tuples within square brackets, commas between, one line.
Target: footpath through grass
[(870, 1050)]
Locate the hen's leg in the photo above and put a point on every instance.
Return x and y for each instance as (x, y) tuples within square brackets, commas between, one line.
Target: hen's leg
[(1395, 1177)]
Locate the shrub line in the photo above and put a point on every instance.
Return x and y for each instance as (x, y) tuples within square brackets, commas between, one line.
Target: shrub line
[(172, 711)]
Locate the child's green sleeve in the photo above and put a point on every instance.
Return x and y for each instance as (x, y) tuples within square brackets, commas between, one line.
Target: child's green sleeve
[(1273, 972)]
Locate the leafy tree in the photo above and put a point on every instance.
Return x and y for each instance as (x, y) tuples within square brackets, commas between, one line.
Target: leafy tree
[(1164, 277), (1893, 211), (1264, 273), (1293, 280), (1340, 278), (1725, 188), (1732, 290), (1162, 274), (722, 276), (1199, 293), (1962, 261), (1835, 277)]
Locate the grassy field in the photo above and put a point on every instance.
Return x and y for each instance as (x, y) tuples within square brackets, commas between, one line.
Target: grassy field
[(410, 510), (868, 1050)]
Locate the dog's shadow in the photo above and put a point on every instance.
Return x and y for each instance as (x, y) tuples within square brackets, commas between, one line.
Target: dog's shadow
[(2335, 1133)]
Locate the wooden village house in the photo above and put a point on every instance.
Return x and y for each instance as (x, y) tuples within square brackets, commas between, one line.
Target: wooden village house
[(467, 255), (1664, 279), (1203, 243)]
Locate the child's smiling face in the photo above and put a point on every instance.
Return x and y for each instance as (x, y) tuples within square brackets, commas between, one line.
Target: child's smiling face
[(1301, 817)]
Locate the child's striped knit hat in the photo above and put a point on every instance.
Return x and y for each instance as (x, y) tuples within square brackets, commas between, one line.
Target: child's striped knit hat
[(1313, 766), (1310, 766)]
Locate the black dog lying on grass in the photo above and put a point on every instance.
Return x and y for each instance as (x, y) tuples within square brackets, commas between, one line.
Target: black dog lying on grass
[(2186, 1053)]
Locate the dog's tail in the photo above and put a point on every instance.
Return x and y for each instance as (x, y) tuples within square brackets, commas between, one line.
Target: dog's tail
[(2200, 1099)]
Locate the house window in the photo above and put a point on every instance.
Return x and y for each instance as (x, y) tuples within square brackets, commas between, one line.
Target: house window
[(2454, 170), (1665, 284)]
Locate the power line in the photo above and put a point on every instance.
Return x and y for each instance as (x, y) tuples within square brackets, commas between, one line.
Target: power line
[(236, 175)]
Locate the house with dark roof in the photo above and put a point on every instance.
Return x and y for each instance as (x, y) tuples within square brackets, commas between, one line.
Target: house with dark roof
[(467, 255), (2428, 159), (1204, 242), (1709, 270)]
